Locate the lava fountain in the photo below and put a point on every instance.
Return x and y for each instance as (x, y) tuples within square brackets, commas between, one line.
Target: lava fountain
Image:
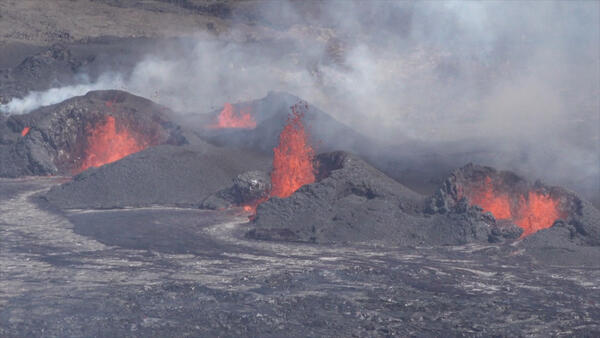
[(532, 211), (228, 118), (488, 199), (25, 131), (107, 142), (293, 157), (537, 212)]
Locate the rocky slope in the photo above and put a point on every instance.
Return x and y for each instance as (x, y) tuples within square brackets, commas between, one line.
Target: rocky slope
[(162, 175), (57, 135)]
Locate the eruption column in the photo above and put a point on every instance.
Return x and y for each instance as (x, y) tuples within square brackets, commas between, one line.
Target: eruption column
[(292, 158)]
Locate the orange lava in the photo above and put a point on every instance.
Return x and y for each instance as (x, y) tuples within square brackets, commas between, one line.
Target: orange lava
[(251, 208), (25, 131), (535, 212), (292, 158), (228, 118), (489, 200), (106, 143), (292, 161)]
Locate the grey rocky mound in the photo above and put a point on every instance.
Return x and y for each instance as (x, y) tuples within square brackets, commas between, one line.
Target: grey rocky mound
[(573, 239), (160, 175), (271, 114), (579, 216), (248, 188), (354, 202), (58, 134)]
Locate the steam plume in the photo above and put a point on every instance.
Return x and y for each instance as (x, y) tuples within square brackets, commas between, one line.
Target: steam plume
[(520, 79)]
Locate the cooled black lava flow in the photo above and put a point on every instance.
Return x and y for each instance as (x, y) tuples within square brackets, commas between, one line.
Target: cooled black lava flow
[(57, 139), (173, 272)]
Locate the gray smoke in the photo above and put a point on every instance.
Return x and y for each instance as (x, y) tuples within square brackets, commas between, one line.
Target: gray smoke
[(520, 80)]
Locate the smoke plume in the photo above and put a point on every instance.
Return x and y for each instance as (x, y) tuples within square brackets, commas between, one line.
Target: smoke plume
[(515, 83)]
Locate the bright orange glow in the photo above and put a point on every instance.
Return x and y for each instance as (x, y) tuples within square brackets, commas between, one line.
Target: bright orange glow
[(25, 131), (292, 158), (489, 200), (106, 143), (251, 207), (537, 211), (292, 161), (228, 118)]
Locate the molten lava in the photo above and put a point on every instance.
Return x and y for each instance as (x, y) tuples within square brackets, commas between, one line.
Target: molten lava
[(25, 131), (489, 200), (228, 118), (537, 212), (292, 158), (533, 212), (251, 207), (108, 143)]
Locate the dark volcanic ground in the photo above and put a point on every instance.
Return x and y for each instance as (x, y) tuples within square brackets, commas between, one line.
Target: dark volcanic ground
[(176, 272), (135, 269)]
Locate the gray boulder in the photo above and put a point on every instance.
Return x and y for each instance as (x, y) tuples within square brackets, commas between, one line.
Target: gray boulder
[(248, 188)]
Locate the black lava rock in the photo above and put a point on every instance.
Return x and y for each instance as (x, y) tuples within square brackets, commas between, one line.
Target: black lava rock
[(248, 188)]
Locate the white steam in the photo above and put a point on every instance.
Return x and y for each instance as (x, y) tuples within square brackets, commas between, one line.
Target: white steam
[(519, 79), (37, 99)]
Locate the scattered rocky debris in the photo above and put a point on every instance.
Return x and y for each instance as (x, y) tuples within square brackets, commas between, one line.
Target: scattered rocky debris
[(248, 188), (503, 229)]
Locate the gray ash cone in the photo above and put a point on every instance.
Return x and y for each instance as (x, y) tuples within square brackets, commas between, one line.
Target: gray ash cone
[(58, 135), (162, 175), (533, 206), (271, 113), (569, 236)]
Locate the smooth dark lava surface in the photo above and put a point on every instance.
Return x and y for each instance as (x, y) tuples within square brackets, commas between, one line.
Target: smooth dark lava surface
[(177, 272)]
